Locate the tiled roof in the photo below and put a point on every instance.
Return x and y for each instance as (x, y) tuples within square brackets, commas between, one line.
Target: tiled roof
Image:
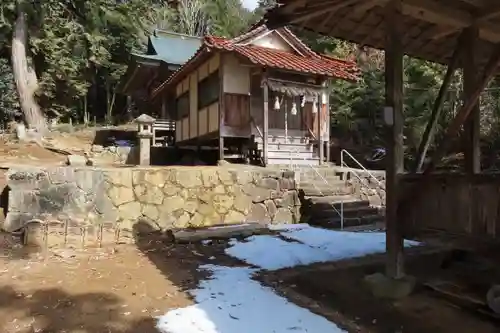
[(267, 57), (311, 63)]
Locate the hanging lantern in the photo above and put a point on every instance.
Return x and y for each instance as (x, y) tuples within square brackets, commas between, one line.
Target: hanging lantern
[(277, 103), (294, 109), (315, 106), (302, 101)]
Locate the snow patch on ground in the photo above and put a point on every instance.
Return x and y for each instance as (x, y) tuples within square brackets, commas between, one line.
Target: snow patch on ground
[(230, 301), (308, 245), (271, 253)]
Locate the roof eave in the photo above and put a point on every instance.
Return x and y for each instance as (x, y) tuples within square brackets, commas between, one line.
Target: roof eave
[(184, 70)]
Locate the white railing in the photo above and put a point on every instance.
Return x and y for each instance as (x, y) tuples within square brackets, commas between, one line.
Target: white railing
[(296, 167), (343, 164), (344, 153)]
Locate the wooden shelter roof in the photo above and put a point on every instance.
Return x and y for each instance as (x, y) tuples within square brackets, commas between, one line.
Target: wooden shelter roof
[(431, 27)]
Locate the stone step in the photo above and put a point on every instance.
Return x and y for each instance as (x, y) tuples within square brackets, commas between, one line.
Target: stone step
[(335, 222), (321, 190), (320, 179), (375, 227), (291, 139), (309, 173), (288, 146), (281, 161), (337, 201), (291, 156), (356, 212)]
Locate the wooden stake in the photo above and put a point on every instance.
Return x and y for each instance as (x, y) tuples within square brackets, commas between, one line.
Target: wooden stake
[(395, 165)]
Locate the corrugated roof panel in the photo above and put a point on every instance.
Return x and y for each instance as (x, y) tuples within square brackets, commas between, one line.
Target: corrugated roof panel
[(174, 48)]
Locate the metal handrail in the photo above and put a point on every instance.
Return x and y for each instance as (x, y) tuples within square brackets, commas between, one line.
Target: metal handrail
[(319, 190), (344, 164)]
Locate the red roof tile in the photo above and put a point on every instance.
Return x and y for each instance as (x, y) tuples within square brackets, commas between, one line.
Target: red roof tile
[(312, 63), (320, 65)]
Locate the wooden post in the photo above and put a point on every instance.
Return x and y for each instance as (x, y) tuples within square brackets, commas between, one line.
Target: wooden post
[(438, 105), (327, 129), (328, 124), (395, 161), (320, 133), (471, 142), (265, 130), (222, 111)]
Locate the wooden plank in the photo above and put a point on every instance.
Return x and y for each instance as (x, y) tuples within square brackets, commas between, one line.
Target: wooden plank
[(435, 13), (237, 112), (395, 165), (438, 105), (472, 126), (486, 14), (456, 204), (228, 231), (302, 16)]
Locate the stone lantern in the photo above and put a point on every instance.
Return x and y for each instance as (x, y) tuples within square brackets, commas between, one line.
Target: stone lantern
[(145, 134)]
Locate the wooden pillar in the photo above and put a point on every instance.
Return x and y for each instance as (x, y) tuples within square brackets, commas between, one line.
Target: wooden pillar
[(395, 154), (327, 129), (471, 142), (321, 145), (222, 111), (265, 130)]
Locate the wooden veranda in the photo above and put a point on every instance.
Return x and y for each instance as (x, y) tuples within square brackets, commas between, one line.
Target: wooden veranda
[(458, 33)]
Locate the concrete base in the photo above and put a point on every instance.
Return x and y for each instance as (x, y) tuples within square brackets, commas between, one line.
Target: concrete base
[(384, 287)]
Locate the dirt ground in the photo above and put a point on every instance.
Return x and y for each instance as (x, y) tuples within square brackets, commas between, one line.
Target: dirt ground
[(115, 290), (78, 140), (338, 292), (122, 289)]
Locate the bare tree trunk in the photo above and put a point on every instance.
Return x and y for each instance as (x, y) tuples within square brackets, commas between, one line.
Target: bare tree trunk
[(25, 78), (192, 17)]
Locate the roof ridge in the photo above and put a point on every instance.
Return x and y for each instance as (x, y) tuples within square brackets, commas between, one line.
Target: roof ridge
[(344, 61), (300, 42), (168, 32), (251, 33)]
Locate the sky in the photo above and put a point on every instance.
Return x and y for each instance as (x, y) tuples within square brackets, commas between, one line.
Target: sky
[(249, 4)]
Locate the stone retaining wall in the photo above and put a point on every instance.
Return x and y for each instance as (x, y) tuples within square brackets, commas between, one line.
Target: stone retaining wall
[(367, 188), (89, 201)]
